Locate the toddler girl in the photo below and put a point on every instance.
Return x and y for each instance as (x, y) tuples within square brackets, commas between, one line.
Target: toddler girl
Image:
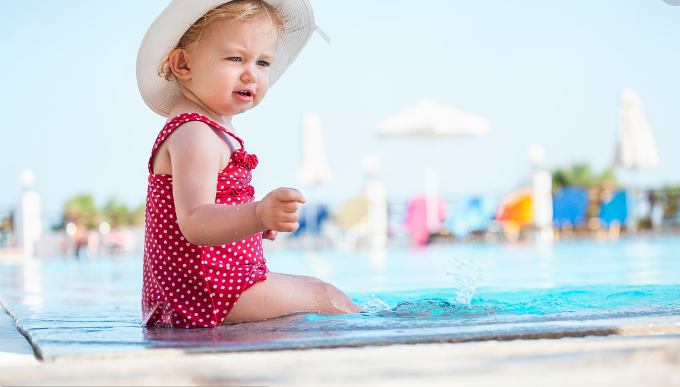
[(201, 63)]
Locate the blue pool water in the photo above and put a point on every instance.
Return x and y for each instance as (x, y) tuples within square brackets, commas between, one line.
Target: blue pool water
[(440, 293)]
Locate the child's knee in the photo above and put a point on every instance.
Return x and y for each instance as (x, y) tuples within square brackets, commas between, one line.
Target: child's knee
[(308, 278)]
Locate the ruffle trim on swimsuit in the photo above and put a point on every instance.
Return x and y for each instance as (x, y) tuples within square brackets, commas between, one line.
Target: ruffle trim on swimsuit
[(247, 190), (244, 159)]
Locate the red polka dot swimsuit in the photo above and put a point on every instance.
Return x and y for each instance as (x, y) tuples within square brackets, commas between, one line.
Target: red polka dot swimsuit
[(190, 286)]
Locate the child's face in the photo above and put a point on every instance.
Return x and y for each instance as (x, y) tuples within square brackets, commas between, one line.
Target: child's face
[(230, 67)]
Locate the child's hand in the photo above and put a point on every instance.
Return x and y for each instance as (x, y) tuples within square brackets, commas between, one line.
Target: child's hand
[(270, 234), (277, 210)]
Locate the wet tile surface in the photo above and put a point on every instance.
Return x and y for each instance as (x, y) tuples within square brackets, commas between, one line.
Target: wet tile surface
[(15, 351), (11, 341)]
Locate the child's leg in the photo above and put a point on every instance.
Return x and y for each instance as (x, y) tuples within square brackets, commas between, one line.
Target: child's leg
[(281, 294), (302, 277)]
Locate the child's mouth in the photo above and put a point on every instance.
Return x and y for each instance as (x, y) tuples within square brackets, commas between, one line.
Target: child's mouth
[(244, 95)]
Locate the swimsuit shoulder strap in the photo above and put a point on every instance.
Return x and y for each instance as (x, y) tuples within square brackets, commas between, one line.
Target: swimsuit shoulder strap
[(182, 119)]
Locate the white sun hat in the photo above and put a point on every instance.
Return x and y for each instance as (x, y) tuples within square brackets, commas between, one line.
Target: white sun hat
[(161, 95)]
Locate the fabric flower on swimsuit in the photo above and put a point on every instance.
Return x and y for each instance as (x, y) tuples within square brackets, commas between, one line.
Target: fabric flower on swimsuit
[(191, 286), (245, 160)]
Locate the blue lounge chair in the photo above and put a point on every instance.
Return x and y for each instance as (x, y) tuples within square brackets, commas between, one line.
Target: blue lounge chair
[(319, 217), (570, 206), (614, 208)]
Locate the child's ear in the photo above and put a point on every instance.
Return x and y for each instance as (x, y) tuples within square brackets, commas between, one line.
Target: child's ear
[(179, 63)]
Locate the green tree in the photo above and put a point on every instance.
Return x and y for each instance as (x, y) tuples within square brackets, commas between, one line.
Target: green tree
[(137, 216), (116, 213), (7, 223), (670, 196), (81, 210), (581, 175)]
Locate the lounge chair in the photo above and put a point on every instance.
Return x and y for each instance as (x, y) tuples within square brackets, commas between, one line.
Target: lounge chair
[(613, 208), (570, 206)]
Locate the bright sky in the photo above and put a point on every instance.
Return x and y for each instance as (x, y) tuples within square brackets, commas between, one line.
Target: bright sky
[(540, 71)]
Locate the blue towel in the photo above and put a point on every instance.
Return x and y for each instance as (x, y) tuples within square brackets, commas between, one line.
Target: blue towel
[(470, 214)]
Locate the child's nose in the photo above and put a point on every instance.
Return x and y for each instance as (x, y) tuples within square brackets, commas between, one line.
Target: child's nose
[(249, 75)]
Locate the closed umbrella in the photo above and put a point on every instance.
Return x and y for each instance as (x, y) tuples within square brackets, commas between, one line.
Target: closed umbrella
[(314, 169), (430, 119), (636, 148)]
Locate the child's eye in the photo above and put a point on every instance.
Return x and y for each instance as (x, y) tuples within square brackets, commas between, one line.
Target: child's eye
[(234, 59), (263, 63)]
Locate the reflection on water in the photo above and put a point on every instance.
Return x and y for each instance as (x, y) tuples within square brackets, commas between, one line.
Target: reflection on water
[(32, 285), (378, 259), (94, 306)]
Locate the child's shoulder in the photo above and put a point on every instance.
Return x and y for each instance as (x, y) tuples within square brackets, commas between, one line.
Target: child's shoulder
[(185, 142), (189, 130)]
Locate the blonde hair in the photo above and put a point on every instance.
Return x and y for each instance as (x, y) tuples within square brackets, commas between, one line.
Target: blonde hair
[(233, 11)]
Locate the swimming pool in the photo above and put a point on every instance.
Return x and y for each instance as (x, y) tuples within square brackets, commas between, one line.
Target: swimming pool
[(454, 292)]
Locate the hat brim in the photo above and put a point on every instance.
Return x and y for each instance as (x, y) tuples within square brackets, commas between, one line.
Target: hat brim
[(161, 95)]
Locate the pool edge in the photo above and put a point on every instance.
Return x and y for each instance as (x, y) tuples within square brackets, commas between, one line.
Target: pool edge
[(640, 326), (38, 350)]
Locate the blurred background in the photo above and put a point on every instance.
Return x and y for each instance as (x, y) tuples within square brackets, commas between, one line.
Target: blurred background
[(428, 122)]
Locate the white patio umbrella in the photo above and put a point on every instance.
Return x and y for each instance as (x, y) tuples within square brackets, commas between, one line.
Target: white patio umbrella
[(430, 119), (636, 148), (314, 169)]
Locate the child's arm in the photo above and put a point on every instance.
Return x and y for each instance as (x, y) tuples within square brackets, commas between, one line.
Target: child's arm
[(195, 156)]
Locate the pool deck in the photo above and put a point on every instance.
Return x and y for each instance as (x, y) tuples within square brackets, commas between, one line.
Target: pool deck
[(650, 360), (641, 351)]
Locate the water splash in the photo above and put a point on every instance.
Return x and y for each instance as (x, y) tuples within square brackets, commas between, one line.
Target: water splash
[(374, 304), (466, 276)]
